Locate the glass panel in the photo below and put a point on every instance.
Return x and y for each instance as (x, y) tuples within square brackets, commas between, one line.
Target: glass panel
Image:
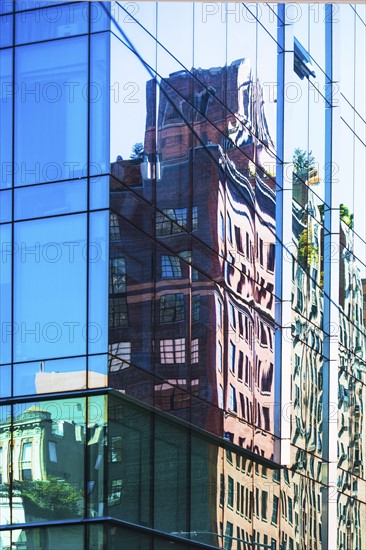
[(98, 283), (50, 376), (99, 192), (50, 283), (43, 457), (170, 447), (5, 381), (208, 491), (6, 118), (6, 30), (50, 200), (6, 200), (128, 87), (44, 538), (20, 5), (129, 462), (97, 449), (99, 113), (97, 371), (58, 22), (6, 293), (52, 100), (6, 6)]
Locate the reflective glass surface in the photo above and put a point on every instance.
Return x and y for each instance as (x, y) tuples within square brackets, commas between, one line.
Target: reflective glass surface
[(182, 221)]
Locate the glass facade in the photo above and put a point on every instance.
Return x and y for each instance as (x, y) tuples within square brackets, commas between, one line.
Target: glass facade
[(182, 275)]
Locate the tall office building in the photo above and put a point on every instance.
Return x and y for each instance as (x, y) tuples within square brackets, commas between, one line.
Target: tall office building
[(182, 354)]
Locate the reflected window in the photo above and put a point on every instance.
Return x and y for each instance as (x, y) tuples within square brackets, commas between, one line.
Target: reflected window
[(115, 492), (222, 489), (196, 300), (232, 316), (122, 356), (230, 492), (172, 351), (26, 461), (194, 351), (222, 227), (187, 256), (175, 220), (228, 537), (114, 230), (238, 240), (219, 357), (247, 371), (241, 328), (170, 267), (52, 449), (260, 251), (118, 312), (247, 246), (290, 510), (171, 308), (194, 218), (232, 398), (263, 335), (266, 379), (275, 510), (219, 313), (117, 271), (240, 365), (115, 449), (264, 505), (266, 417), (1, 465), (271, 257), (58, 428), (229, 229), (232, 356), (221, 397)]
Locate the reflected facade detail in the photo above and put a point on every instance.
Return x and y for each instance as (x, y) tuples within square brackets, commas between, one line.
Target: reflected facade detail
[(182, 276)]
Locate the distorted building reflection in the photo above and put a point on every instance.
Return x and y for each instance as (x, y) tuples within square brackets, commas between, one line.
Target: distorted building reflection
[(200, 296)]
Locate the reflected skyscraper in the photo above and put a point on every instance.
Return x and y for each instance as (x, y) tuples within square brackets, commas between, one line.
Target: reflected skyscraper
[(182, 267)]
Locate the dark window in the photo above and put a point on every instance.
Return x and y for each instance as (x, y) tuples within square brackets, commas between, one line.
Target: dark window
[(117, 275), (175, 220), (118, 312), (196, 299), (171, 308), (261, 251), (271, 257), (230, 492), (275, 510), (232, 399), (229, 228), (114, 231), (170, 267), (264, 504), (266, 416), (239, 243), (240, 365), (266, 379), (222, 489), (115, 449), (26, 461)]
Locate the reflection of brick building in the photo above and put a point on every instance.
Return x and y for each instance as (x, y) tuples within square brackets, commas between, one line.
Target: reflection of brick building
[(195, 308)]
